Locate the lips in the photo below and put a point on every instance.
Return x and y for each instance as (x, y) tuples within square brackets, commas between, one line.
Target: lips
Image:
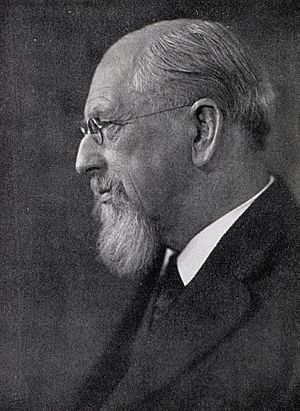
[(101, 190), (105, 197)]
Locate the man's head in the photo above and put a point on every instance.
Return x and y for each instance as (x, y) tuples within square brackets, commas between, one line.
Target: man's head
[(174, 117)]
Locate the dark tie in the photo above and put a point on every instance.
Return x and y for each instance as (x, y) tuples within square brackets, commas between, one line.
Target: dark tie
[(169, 287)]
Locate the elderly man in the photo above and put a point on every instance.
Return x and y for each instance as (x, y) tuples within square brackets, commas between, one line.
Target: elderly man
[(174, 132)]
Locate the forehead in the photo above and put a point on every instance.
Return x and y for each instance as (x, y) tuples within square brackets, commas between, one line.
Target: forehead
[(108, 89)]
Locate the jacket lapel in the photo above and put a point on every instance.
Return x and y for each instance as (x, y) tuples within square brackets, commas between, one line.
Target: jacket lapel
[(218, 301), (208, 311), (113, 365)]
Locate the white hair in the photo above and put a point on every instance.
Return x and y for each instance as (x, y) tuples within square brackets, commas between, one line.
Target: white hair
[(192, 59), (127, 241)]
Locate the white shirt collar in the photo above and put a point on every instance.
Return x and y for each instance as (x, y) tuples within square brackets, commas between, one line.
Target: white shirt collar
[(196, 252)]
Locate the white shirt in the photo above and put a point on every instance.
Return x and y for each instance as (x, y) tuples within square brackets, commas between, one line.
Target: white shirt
[(196, 252)]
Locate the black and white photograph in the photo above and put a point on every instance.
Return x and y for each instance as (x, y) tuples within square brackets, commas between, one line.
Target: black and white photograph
[(150, 197)]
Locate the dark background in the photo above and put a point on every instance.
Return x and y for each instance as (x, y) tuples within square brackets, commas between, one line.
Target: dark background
[(57, 305)]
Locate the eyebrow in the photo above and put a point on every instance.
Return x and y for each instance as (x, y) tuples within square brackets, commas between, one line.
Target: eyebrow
[(110, 115), (92, 108), (103, 113), (98, 110), (119, 122)]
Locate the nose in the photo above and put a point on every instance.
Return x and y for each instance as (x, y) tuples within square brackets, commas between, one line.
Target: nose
[(89, 156)]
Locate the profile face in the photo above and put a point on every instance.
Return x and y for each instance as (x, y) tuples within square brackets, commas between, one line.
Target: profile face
[(138, 169), (149, 156)]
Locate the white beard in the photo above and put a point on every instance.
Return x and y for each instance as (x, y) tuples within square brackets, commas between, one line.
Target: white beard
[(127, 243)]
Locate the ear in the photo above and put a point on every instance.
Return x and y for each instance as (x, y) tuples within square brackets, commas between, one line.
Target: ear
[(209, 120)]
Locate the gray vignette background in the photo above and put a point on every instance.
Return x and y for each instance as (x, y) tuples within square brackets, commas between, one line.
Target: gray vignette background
[(57, 305)]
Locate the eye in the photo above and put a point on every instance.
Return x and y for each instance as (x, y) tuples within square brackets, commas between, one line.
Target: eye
[(110, 129), (100, 128), (95, 125), (107, 128)]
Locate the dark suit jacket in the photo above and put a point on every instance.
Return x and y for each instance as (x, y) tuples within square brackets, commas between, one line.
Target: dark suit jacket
[(231, 340)]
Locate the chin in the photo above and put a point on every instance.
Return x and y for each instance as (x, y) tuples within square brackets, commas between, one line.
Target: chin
[(127, 241)]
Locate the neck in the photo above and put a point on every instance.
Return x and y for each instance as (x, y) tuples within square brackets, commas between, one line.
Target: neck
[(204, 206)]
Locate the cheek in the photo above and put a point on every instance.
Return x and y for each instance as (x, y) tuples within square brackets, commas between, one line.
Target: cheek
[(154, 168), (129, 172), (158, 178)]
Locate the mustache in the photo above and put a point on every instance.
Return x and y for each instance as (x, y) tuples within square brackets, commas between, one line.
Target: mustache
[(107, 183)]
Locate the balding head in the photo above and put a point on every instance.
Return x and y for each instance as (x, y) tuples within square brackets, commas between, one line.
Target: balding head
[(170, 112), (113, 76), (192, 59), (180, 61)]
